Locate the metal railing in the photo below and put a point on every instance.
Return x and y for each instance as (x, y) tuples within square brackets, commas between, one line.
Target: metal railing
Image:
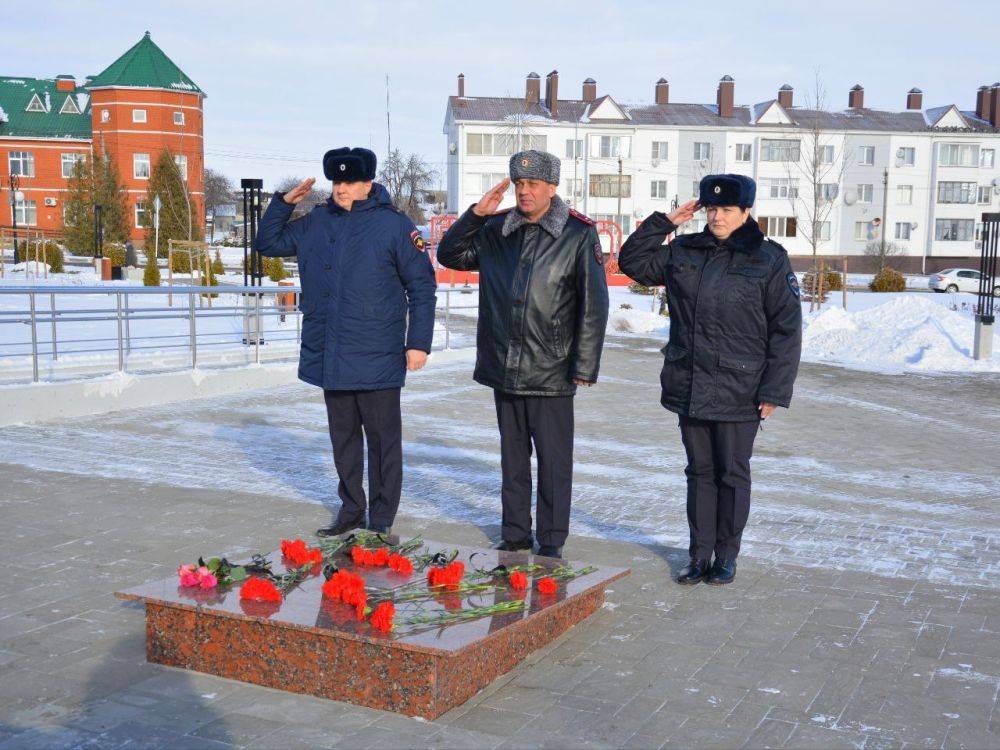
[(58, 332)]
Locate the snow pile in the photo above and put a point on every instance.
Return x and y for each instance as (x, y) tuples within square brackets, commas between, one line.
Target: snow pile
[(637, 321), (908, 333), (32, 266)]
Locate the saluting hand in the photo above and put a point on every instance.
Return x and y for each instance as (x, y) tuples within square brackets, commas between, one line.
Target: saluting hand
[(300, 191), (683, 213), (494, 197)]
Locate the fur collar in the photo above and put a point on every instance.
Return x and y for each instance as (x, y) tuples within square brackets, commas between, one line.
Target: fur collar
[(553, 221), (746, 239)]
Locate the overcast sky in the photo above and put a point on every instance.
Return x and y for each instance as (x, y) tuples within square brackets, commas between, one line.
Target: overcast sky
[(286, 81)]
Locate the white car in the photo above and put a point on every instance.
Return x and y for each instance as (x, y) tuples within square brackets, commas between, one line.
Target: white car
[(959, 280)]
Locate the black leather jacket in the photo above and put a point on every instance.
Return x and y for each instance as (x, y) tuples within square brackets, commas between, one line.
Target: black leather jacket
[(735, 318), (543, 298)]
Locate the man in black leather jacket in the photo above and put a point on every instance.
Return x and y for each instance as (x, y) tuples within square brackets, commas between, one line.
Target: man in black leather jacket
[(543, 308), (732, 357)]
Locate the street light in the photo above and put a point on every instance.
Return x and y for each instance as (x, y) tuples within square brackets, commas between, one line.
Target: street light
[(15, 196)]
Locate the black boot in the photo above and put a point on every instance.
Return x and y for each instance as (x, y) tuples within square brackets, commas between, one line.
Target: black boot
[(547, 550), (504, 546), (339, 527), (722, 572), (383, 530), (692, 573)]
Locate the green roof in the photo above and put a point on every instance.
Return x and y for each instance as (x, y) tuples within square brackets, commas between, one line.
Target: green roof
[(145, 66), (56, 118)]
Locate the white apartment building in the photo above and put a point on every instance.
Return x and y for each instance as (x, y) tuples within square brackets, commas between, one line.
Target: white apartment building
[(935, 171)]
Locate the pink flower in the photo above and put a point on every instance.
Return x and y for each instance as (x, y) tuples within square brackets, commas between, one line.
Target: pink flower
[(189, 568), (188, 578), (208, 581), (203, 571)]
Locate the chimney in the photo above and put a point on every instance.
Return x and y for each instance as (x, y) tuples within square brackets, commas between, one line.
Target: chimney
[(785, 96), (532, 88), (552, 92), (65, 83), (983, 103), (724, 96), (461, 85), (590, 90), (856, 97), (662, 91), (995, 105), (914, 99)]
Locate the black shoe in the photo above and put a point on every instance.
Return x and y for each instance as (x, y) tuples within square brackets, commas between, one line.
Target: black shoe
[(339, 527), (722, 572), (547, 550), (692, 573), (383, 530), (504, 546)]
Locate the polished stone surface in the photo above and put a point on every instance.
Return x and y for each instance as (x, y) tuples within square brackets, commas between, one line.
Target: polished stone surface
[(310, 644)]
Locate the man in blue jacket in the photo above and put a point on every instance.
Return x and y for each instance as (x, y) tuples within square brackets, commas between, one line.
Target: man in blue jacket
[(364, 271)]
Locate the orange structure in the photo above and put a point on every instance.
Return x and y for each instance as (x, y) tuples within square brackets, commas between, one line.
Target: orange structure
[(137, 107)]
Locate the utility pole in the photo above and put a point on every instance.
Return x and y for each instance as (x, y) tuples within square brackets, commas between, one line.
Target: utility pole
[(14, 184), (618, 216), (388, 124), (885, 207)]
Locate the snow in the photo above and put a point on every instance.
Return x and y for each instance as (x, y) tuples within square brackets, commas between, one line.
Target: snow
[(32, 268)]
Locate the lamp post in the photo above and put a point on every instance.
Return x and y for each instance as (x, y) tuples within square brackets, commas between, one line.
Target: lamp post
[(14, 184), (98, 231)]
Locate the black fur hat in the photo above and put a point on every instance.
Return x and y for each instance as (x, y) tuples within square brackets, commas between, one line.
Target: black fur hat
[(727, 190), (349, 165)]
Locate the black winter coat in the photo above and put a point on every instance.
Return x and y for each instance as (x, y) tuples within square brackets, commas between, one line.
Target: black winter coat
[(735, 318), (543, 298)]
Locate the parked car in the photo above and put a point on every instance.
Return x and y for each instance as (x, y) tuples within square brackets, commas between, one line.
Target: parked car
[(958, 280)]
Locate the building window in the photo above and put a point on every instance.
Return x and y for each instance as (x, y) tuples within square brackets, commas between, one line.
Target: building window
[(178, 118), (983, 197), (824, 230), (69, 161), (904, 195), (138, 115), (182, 165), (744, 151), (779, 150), (958, 155), (902, 230), (140, 166), (574, 148), (499, 144), (702, 151), (986, 157), (573, 187), (865, 193), (35, 105), (826, 154), (956, 192), (658, 189), (777, 226), (907, 156), (828, 191), (866, 155), (611, 146), (26, 213), (140, 214), (488, 181), (865, 230), (105, 115), (21, 163), (779, 187), (954, 230), (624, 221), (660, 150), (607, 186)]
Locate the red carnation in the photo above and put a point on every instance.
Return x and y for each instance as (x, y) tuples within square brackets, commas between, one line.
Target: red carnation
[(547, 586), (259, 590), (400, 564), (380, 556), (345, 587), (518, 580), (450, 576), (358, 555), (381, 618), (299, 554)]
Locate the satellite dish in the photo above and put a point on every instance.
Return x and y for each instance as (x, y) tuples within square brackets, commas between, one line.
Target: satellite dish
[(850, 197), (452, 148), (996, 182), (913, 225)]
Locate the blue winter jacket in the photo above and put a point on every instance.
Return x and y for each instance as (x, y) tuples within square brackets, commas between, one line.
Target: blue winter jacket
[(361, 272)]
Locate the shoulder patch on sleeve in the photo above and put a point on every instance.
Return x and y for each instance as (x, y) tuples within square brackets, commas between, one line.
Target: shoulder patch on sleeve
[(582, 217), (599, 252), (793, 284), (418, 241)]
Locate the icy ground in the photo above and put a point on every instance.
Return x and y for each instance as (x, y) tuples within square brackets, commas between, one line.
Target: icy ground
[(894, 475)]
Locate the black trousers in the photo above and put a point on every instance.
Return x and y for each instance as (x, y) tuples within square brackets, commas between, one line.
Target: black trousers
[(718, 484), (377, 414), (546, 422)]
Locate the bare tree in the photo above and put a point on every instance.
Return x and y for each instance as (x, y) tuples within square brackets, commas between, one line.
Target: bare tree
[(821, 163), (408, 179), (307, 204), (882, 254), (219, 191)]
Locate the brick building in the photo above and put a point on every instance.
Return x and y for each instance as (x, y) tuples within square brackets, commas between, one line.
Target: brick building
[(135, 108)]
